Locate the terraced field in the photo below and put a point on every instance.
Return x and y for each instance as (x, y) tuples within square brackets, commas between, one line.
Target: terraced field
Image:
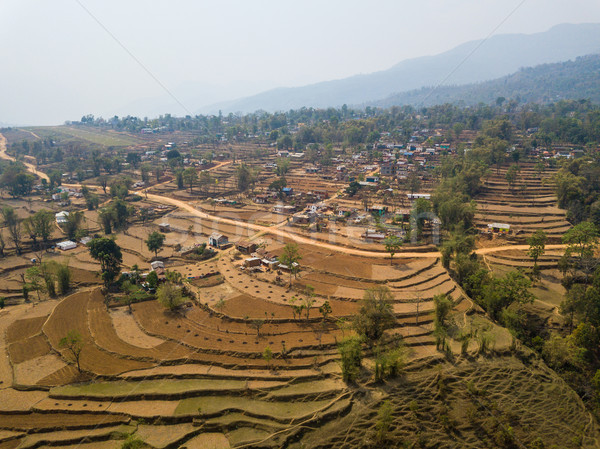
[(201, 371), (528, 206), (500, 402)]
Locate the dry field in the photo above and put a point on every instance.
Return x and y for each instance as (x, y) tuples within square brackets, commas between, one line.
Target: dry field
[(198, 377), (528, 206)]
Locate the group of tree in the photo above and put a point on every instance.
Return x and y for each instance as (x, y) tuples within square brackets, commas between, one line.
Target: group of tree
[(373, 319), (575, 352), (106, 251), (116, 215), (51, 278), (15, 179), (578, 190)]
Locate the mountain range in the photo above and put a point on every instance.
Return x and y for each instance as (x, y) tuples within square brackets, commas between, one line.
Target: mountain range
[(472, 62), (577, 79)]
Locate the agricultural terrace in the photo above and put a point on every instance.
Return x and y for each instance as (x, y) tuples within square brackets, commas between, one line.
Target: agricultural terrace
[(258, 353)]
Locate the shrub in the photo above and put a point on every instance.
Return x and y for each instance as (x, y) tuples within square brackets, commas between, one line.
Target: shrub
[(63, 276), (384, 420), (133, 442), (169, 296), (351, 358)]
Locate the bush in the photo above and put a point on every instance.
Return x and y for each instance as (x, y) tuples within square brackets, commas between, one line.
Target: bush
[(201, 252), (384, 420), (351, 358), (152, 280), (63, 276), (170, 296), (132, 442)]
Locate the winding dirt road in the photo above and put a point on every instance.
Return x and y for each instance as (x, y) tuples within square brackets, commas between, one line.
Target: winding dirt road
[(32, 168), (276, 231)]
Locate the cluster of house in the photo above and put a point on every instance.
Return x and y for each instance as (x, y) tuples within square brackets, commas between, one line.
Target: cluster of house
[(559, 152), (260, 259), (66, 245), (290, 194), (161, 155), (70, 192)]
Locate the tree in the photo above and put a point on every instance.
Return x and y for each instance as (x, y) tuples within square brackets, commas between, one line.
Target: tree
[(442, 306), (278, 186), (268, 355), (133, 158), (325, 310), (63, 276), (384, 420), (73, 224), (170, 296), (205, 181), (500, 293), (2, 243), (106, 218), (155, 242), (581, 239), (511, 175), (245, 177), (73, 342), (108, 253), (257, 324), (103, 181), (413, 182), (46, 270), (39, 225), (296, 309), (152, 280), (12, 222), (35, 280), (179, 179), (392, 244), (220, 305), (283, 165), (351, 358), (190, 176), (309, 300), (121, 212), (375, 315), (537, 245), (290, 258)]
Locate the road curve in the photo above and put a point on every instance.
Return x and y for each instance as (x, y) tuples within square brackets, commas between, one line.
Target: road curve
[(32, 168)]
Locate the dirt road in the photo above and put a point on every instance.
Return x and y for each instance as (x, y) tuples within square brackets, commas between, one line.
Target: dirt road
[(32, 168)]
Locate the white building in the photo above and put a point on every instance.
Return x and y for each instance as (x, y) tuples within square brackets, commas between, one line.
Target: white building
[(61, 217), (66, 245)]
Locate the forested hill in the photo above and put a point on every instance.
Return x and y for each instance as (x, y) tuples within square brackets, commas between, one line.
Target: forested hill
[(472, 62), (578, 79)]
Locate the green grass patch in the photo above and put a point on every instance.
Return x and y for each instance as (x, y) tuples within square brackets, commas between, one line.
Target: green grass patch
[(92, 135), (279, 410), (235, 418), (305, 388), (155, 387), (246, 435)]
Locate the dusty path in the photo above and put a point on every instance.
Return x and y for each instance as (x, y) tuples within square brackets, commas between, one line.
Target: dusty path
[(32, 168), (276, 230)]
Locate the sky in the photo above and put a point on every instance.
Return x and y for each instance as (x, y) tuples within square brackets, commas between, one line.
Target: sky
[(62, 59)]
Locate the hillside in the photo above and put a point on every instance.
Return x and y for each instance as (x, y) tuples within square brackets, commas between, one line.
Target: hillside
[(471, 62), (545, 83)]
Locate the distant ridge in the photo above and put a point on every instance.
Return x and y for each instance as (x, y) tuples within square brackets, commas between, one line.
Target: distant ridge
[(498, 56), (571, 80)]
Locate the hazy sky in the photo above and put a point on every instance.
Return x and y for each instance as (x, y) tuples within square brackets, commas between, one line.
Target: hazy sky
[(57, 62)]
